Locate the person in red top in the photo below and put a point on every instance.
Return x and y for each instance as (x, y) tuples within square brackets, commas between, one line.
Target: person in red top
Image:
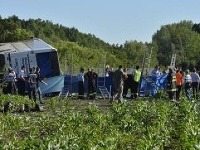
[(179, 83)]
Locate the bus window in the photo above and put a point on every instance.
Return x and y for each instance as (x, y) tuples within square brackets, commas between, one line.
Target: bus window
[(2, 62), (2, 66), (48, 63)]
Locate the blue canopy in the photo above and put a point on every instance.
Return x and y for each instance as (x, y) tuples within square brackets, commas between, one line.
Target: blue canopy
[(55, 84)]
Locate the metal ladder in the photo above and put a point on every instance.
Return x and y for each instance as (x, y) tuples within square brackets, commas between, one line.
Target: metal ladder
[(64, 93), (145, 68), (148, 80), (102, 89), (146, 61), (104, 92), (66, 89), (101, 83), (173, 60)]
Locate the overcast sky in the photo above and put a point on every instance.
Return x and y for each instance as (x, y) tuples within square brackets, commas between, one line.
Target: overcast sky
[(114, 21)]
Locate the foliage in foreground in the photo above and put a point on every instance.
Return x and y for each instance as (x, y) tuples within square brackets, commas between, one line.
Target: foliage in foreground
[(141, 124)]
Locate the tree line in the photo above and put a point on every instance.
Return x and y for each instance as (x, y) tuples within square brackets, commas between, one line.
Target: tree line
[(81, 49)]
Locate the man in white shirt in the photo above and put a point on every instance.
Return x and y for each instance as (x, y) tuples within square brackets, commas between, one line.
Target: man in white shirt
[(188, 82), (21, 81), (9, 80), (156, 71)]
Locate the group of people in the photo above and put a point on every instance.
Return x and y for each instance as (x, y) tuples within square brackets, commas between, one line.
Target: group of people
[(122, 81), (17, 84), (178, 80), (118, 76)]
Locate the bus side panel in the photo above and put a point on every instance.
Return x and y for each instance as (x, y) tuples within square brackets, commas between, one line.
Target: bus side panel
[(18, 60), (32, 60)]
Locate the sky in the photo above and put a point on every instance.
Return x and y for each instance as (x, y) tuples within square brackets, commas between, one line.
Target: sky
[(113, 21)]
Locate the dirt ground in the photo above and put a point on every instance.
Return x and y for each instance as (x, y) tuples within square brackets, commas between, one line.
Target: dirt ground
[(103, 105)]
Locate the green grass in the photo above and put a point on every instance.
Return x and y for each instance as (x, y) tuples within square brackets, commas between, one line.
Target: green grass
[(73, 124)]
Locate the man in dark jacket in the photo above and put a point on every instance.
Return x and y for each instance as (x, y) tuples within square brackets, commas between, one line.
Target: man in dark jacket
[(91, 77), (34, 80), (171, 84)]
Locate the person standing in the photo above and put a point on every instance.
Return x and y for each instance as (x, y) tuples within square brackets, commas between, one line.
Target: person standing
[(91, 77), (32, 85), (179, 83), (188, 82), (21, 81), (118, 80), (128, 83), (111, 72), (136, 82), (171, 84), (80, 77), (195, 83), (156, 72), (38, 80), (9, 80)]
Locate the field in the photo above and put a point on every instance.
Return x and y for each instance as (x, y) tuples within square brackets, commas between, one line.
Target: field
[(84, 124)]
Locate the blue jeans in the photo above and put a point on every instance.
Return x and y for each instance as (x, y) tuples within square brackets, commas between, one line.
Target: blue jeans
[(188, 93), (33, 91), (39, 94), (118, 93)]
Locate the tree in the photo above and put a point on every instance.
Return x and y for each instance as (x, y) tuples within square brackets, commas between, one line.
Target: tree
[(196, 28), (177, 38)]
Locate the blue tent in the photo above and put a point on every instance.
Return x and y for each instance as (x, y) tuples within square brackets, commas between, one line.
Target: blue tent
[(151, 84)]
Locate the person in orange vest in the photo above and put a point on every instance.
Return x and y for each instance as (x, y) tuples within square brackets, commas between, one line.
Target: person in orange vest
[(179, 83)]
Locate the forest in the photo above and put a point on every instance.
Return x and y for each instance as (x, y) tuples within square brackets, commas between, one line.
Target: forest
[(85, 49)]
